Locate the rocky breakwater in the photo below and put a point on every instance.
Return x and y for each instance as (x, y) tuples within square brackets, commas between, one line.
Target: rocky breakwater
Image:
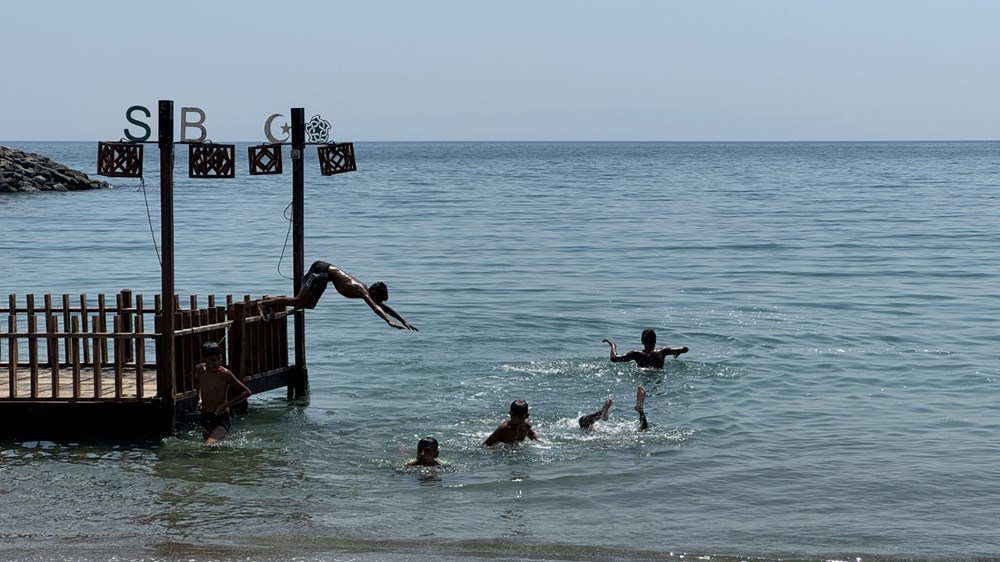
[(27, 172)]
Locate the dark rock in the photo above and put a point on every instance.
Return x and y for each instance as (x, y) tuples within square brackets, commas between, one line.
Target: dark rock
[(27, 172)]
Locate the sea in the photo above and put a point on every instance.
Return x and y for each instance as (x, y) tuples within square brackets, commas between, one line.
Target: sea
[(840, 302)]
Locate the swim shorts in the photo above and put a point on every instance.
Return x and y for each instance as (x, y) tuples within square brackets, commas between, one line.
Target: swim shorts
[(211, 421), (317, 277)]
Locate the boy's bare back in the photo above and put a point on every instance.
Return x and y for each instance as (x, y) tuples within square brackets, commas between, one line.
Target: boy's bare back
[(347, 284)]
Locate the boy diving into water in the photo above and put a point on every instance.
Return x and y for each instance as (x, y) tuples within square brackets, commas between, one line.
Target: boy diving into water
[(314, 284)]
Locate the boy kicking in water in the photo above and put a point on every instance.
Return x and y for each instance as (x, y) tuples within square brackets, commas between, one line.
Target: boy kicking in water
[(213, 382), (588, 421)]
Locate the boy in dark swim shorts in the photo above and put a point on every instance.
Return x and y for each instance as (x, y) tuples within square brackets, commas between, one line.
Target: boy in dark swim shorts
[(213, 382), (314, 284)]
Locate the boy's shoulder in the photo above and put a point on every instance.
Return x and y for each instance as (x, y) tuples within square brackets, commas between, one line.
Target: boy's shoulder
[(221, 371)]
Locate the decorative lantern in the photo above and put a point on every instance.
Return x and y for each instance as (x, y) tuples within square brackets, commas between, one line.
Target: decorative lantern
[(336, 158), (119, 159), (265, 159), (209, 160)]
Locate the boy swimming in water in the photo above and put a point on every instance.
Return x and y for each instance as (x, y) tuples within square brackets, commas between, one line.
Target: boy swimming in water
[(648, 357), (427, 453), (515, 428)]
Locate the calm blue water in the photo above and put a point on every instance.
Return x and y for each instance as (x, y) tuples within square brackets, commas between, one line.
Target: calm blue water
[(840, 301)]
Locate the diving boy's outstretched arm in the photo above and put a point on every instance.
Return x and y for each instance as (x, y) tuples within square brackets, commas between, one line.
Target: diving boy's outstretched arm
[(381, 313), (388, 309)]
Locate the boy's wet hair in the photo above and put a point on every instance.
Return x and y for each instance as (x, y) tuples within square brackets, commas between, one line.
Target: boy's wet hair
[(648, 337), (427, 443), (210, 349), (378, 291), (519, 408)]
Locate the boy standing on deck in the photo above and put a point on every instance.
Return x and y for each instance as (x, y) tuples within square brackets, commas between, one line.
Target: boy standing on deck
[(213, 382), (515, 428)]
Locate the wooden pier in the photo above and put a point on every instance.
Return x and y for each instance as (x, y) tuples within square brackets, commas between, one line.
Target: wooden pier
[(84, 366)]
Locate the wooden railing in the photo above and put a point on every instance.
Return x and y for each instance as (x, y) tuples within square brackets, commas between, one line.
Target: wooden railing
[(76, 350), (83, 349)]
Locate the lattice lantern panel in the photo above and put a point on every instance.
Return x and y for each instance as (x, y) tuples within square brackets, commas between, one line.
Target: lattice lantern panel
[(211, 160), (336, 158), (119, 159), (265, 159)]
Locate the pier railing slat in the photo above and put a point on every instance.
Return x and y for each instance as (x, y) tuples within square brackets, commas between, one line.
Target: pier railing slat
[(33, 355), (140, 350), (127, 323), (119, 345), (76, 345), (67, 341), (98, 342), (83, 328), (12, 345), (52, 349)]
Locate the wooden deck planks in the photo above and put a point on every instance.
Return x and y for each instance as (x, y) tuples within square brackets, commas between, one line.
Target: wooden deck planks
[(86, 384)]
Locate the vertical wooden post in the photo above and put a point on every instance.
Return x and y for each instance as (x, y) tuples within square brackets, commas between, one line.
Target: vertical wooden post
[(242, 345), (75, 348), (33, 353), (12, 345), (99, 358), (140, 349), (127, 322), (300, 386), (52, 348), (101, 325), (85, 342), (66, 323), (118, 344), (165, 384), (29, 305)]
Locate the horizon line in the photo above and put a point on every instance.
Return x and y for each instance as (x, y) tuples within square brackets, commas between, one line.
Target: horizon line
[(621, 141)]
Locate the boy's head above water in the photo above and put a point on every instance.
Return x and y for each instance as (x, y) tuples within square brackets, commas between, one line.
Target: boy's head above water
[(427, 451), (518, 412)]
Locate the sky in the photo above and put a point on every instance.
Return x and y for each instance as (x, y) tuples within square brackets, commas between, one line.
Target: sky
[(476, 70)]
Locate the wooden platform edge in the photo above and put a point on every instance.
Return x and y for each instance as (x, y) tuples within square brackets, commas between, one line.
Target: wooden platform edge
[(58, 420)]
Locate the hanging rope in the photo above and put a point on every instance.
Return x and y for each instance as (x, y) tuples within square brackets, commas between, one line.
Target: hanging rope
[(287, 234), (149, 217)]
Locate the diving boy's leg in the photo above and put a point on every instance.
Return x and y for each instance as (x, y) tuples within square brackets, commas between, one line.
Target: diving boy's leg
[(590, 419), (267, 305)]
